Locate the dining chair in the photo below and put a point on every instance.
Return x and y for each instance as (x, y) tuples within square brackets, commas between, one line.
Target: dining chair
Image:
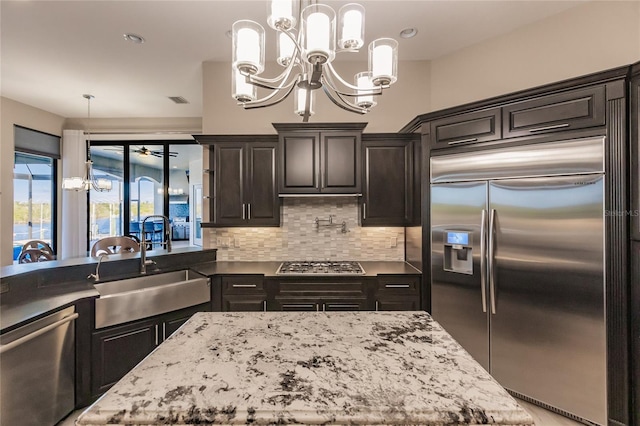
[(113, 245)]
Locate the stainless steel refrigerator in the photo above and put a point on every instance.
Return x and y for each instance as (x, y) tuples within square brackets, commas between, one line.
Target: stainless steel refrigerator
[(517, 267)]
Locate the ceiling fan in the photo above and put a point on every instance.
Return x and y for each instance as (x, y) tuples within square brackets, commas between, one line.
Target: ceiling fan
[(145, 152)]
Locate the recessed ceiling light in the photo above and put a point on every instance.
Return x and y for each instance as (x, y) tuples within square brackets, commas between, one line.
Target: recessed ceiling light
[(408, 32), (134, 38)]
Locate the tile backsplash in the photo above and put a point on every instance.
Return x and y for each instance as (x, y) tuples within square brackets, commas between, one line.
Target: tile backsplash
[(299, 238)]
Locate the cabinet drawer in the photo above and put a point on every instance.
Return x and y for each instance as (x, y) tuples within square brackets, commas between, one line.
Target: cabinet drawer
[(399, 284), (473, 127), (242, 284), (321, 287), (325, 303), (570, 110), (244, 303)]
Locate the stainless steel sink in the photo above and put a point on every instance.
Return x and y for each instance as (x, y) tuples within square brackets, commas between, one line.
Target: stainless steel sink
[(141, 297)]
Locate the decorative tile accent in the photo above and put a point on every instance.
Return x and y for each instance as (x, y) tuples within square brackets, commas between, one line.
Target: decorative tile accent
[(299, 238)]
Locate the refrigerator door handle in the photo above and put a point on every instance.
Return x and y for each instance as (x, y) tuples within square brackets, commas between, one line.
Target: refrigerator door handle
[(492, 278), (483, 260)]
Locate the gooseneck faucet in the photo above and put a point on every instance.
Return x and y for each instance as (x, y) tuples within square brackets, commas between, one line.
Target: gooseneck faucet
[(96, 275), (143, 242)]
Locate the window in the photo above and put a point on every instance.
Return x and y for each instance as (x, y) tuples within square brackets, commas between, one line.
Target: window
[(34, 193), (160, 178)]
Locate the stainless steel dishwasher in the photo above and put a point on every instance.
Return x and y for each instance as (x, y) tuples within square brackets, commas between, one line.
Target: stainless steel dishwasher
[(37, 363)]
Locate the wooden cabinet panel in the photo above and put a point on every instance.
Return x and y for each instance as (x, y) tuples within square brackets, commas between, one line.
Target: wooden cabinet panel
[(467, 128), (118, 349), (242, 284), (230, 184), (320, 159), (244, 303), (299, 163), (340, 163), (388, 183), (263, 203), (245, 184), (398, 293), (634, 122), (570, 110)]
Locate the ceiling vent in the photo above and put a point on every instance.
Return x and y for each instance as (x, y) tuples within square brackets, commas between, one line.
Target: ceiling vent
[(178, 99)]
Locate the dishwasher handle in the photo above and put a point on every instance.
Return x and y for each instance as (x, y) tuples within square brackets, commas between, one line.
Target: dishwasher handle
[(39, 332)]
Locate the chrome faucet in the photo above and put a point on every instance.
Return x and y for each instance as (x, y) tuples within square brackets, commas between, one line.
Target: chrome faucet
[(143, 241), (96, 275)]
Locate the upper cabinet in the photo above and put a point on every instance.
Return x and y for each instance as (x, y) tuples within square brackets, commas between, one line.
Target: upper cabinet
[(244, 178), (570, 110), (468, 128), (388, 176), (320, 158), (634, 123)]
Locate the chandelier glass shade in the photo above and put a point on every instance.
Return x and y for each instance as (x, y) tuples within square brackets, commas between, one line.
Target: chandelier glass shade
[(306, 54), (88, 181)]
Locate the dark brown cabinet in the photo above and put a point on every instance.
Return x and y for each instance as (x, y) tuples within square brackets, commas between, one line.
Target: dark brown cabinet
[(322, 294), (569, 110), (388, 177), (321, 159), (467, 128), (398, 293), (634, 123), (242, 293), (116, 350), (245, 183)]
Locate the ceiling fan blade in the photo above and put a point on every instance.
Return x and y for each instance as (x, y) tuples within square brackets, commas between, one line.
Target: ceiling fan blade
[(155, 154)]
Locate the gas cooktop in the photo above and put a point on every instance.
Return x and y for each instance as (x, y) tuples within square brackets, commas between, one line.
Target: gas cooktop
[(320, 267)]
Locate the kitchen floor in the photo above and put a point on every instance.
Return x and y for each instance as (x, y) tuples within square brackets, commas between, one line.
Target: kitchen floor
[(541, 416)]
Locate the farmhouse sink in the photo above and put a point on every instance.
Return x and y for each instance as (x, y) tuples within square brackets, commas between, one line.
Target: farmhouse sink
[(145, 296)]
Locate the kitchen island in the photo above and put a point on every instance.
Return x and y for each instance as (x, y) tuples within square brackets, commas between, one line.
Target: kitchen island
[(308, 368)]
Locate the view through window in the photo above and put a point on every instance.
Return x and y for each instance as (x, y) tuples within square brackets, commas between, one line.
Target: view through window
[(122, 210), (33, 200)]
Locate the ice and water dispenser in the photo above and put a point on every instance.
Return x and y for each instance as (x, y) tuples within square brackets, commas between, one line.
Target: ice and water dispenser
[(458, 253)]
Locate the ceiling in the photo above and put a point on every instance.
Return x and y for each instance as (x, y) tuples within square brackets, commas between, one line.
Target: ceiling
[(52, 52)]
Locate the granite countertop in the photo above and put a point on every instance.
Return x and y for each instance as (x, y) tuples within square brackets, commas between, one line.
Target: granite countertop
[(308, 368), (268, 269)]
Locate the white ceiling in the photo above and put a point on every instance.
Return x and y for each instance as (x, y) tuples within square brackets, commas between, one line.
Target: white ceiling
[(52, 52)]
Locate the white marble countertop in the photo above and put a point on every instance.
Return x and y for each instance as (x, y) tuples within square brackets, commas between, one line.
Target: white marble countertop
[(308, 368)]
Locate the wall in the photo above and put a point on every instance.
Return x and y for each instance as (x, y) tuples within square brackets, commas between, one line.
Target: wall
[(12, 112), (298, 237), (589, 38), (404, 100)]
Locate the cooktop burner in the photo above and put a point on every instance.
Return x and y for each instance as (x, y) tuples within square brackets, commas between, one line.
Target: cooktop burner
[(320, 267)]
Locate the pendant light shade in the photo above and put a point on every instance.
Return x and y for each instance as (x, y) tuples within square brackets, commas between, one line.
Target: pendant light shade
[(281, 14), (351, 29), (300, 101), (319, 33), (248, 46), (383, 61), (240, 89), (365, 86)]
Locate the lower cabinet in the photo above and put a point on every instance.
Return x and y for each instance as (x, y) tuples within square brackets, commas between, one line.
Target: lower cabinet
[(117, 349), (398, 293), (252, 293)]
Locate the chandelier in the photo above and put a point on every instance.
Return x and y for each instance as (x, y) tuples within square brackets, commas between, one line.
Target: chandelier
[(310, 51), (87, 181)]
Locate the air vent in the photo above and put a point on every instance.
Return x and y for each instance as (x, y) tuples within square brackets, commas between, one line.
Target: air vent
[(178, 99)]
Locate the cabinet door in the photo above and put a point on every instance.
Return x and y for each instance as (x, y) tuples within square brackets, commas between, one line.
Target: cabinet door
[(174, 320), (344, 304), (299, 163), (468, 128), (118, 349), (398, 293), (263, 203), (229, 204), (244, 303), (388, 184), (575, 109), (340, 163)]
